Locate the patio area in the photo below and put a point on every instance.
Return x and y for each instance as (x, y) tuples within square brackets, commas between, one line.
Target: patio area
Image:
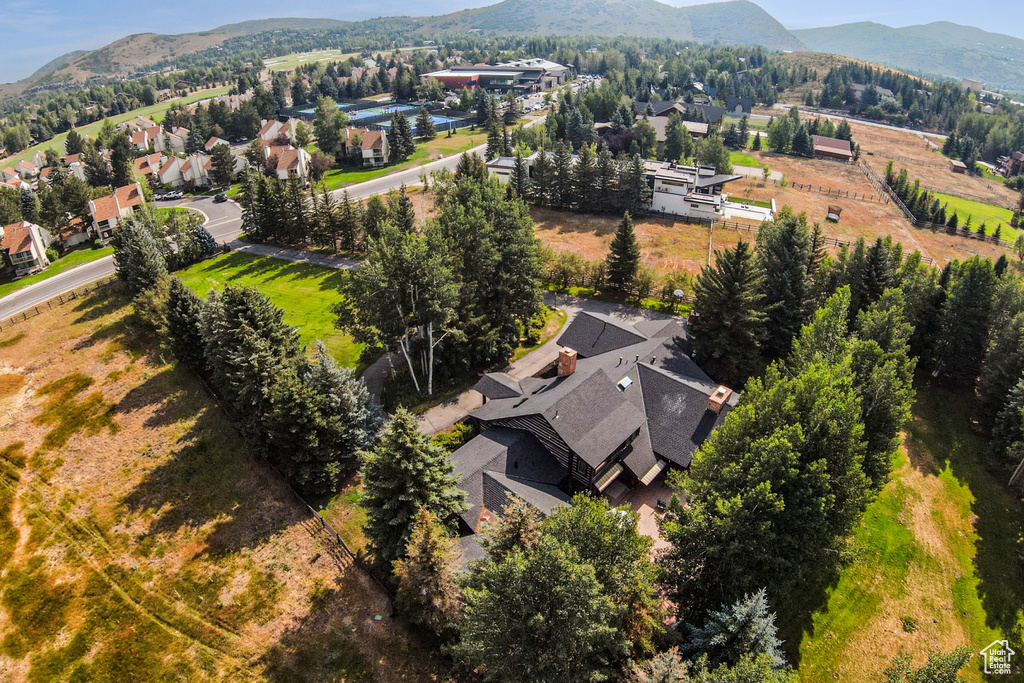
[(644, 500)]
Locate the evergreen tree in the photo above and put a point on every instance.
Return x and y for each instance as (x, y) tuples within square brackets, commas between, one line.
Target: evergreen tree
[(802, 143), (401, 212), (138, 259), (471, 166), (322, 415), (665, 667), (675, 134), (744, 131), (749, 669), (543, 179), (744, 628), (783, 251), (562, 187), (539, 615), (633, 187), (965, 321), (222, 163), (520, 178), (185, 326), (584, 180), (427, 589), (425, 125), (884, 381), (400, 140), (1008, 432), (403, 472), (29, 205), (606, 181), (728, 319), (774, 491), (74, 143), (940, 668), (350, 222), (623, 256), (249, 349), (756, 146)]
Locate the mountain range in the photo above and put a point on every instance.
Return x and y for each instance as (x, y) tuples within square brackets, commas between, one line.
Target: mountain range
[(937, 49)]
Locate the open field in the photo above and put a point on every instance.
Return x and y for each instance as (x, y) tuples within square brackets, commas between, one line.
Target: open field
[(665, 244), (425, 152), (935, 564), (142, 541), (76, 257), (57, 141), (306, 292), (978, 212), (860, 218), (290, 62), (908, 150)]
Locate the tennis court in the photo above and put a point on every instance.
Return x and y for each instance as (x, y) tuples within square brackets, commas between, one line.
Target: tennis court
[(441, 123), (379, 111)]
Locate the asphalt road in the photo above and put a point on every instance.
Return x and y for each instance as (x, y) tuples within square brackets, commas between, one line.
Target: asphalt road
[(223, 220)]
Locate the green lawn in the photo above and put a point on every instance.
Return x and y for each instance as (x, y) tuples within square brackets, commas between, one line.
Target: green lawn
[(744, 159), (57, 142), (425, 153), (992, 215), (75, 257), (289, 62), (935, 562), (306, 292), (752, 202)]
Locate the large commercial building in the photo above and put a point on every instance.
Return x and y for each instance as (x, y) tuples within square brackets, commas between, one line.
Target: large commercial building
[(523, 75)]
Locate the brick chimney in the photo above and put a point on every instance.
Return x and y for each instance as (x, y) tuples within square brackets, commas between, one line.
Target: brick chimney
[(716, 401), (566, 361)]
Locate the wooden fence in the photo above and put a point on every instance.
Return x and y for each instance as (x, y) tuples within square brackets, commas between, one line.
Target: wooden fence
[(56, 301), (839, 194)]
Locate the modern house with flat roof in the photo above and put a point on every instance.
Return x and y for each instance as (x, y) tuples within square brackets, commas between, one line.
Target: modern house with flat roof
[(523, 75), (624, 402)]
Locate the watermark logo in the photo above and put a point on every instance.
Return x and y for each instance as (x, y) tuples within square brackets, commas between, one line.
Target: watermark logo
[(998, 656)]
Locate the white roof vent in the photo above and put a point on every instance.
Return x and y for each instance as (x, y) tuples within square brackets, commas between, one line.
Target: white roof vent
[(624, 383)]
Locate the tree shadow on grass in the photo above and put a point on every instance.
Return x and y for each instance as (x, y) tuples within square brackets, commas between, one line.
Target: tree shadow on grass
[(95, 305), (165, 391), (957, 452), (795, 614)]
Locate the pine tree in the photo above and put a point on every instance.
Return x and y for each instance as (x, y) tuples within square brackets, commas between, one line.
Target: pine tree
[(728, 319), (744, 132), (940, 668), (185, 326), (520, 178), (965, 321), (403, 472), (29, 205), (138, 259), (75, 143), (249, 347), (321, 416), (223, 165), (425, 125), (744, 628), (606, 181), (349, 223), (543, 179), (401, 212), (783, 251), (1008, 432), (675, 145), (428, 591), (562, 186), (802, 144), (757, 142), (623, 256), (633, 187), (665, 667)]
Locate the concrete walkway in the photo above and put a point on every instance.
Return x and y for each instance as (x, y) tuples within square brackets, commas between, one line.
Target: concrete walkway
[(755, 172), (443, 416), (296, 255)]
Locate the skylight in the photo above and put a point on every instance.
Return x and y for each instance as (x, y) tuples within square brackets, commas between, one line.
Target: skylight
[(624, 383)]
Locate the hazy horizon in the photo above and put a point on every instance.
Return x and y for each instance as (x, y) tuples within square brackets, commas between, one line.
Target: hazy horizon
[(38, 32)]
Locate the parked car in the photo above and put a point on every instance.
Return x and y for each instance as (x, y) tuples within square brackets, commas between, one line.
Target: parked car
[(157, 197), (220, 197), (173, 195)]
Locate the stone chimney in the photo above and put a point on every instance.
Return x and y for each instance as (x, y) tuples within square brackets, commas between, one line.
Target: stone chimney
[(717, 400), (566, 361)]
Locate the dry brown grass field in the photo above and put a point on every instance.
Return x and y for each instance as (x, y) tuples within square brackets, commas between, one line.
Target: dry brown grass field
[(141, 540)]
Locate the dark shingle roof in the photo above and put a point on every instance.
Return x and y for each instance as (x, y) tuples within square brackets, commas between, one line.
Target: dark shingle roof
[(592, 334), (677, 414), (498, 385), (507, 451)]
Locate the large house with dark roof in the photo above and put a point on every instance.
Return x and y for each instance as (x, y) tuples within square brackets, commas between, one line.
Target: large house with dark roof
[(624, 402)]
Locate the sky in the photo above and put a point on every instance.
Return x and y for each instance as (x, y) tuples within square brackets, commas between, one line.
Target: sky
[(36, 31)]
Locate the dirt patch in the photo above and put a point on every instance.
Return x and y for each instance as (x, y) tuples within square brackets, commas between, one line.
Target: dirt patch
[(170, 549), (908, 150), (665, 244)]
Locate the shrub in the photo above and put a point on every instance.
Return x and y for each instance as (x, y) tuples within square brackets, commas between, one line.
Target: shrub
[(52, 254)]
